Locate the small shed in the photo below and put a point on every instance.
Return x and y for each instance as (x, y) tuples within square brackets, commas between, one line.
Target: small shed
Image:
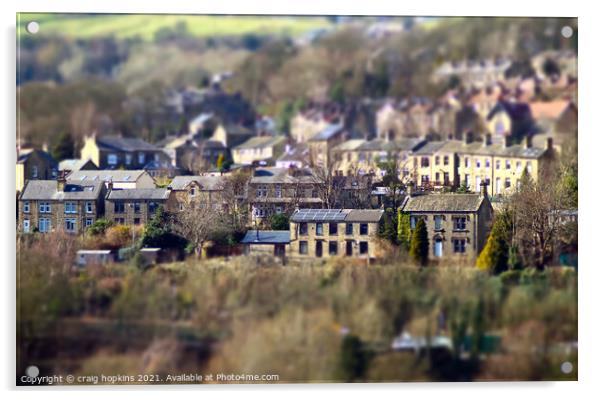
[(266, 242), (85, 257), (151, 255)]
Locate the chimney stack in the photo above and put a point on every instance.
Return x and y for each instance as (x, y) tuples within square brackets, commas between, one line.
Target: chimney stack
[(410, 188), (483, 188), (487, 140), (550, 144), (61, 181), (110, 185), (467, 137), (507, 141), (528, 141)]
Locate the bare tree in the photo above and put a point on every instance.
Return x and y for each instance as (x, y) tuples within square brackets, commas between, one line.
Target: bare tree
[(197, 223), (235, 196), (328, 187)]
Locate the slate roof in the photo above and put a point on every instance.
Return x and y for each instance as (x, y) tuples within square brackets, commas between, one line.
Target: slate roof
[(210, 183), (430, 148), (444, 203), (281, 175), (328, 133), (106, 175), (267, 237), (500, 150), (337, 215), (48, 190), (407, 144), (24, 155), (299, 152), (139, 194), (260, 142), (128, 144), (349, 145), (73, 164)]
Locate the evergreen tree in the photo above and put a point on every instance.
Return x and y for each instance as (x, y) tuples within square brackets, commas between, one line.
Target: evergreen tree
[(419, 244), (279, 221), (354, 358), (64, 148), (494, 257), (389, 231), (220, 161), (403, 230)]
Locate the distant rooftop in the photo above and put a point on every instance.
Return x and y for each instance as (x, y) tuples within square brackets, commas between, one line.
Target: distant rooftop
[(139, 194), (328, 133), (267, 237), (444, 203), (337, 215), (106, 175), (128, 144)]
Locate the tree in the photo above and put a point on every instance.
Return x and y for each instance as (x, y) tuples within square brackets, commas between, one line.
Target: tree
[(99, 227), (220, 161), (403, 230), (389, 231), (354, 358), (197, 223), (158, 233), (494, 257), (279, 221), (64, 148), (419, 244)]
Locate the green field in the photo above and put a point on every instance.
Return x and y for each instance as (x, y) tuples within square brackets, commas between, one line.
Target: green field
[(145, 26)]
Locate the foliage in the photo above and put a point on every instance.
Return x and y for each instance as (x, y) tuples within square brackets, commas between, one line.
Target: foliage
[(354, 358), (279, 221), (404, 232), (419, 244), (220, 162), (494, 256), (99, 227), (64, 148), (158, 233), (389, 228)]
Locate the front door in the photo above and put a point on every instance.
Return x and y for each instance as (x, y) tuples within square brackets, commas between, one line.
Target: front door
[(318, 249), (349, 248), (438, 248)]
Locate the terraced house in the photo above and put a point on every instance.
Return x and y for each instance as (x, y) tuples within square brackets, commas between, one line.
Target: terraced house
[(335, 232), (457, 224), (60, 205), (202, 191), (136, 206), (278, 190), (114, 152)]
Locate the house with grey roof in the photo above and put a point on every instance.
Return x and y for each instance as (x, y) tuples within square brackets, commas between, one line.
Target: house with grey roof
[(115, 152), (34, 164), (204, 191), (457, 224), (295, 156), (335, 232), (119, 179), (321, 144), (60, 205), (136, 206), (266, 242), (73, 165), (261, 148)]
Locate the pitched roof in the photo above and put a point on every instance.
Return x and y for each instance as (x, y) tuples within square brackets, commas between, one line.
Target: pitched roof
[(549, 109), (337, 215), (107, 175), (210, 183), (500, 150), (267, 237), (407, 144), (300, 152), (444, 203), (24, 154), (73, 164), (260, 142), (139, 194), (430, 148), (48, 190), (328, 133), (282, 175), (127, 144), (349, 145)]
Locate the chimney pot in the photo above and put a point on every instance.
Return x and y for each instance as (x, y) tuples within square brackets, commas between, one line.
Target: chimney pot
[(483, 188), (487, 140), (550, 144), (528, 141)]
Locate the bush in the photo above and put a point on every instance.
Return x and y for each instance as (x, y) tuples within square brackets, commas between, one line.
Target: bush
[(99, 227), (279, 221), (353, 360)]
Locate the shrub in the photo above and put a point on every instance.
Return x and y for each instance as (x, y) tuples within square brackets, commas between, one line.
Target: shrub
[(99, 227), (279, 221)]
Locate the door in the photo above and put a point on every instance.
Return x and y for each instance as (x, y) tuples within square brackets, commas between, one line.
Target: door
[(318, 249), (349, 248), (438, 248)]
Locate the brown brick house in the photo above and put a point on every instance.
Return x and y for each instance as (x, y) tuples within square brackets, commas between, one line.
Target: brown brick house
[(50, 205)]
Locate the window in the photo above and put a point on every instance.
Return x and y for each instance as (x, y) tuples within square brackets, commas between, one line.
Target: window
[(70, 224), (141, 158), (446, 160), (136, 207), (459, 245), (260, 210), (349, 229), (508, 164), (26, 226), (262, 191), (333, 248), (44, 225), (413, 222), (437, 160), (529, 166), (119, 220), (89, 207), (467, 181), (303, 250), (519, 166), (363, 229), (487, 163), (478, 163), (437, 177), (460, 223), (466, 162), (136, 221), (279, 209), (119, 207), (507, 183), (349, 248), (424, 180), (70, 207), (319, 229), (303, 228), (498, 185), (333, 229), (44, 207), (89, 222), (497, 164), (363, 247), (438, 220), (112, 159), (278, 191), (424, 162), (446, 178), (192, 191), (34, 172), (477, 181), (152, 207), (128, 159), (26, 206)]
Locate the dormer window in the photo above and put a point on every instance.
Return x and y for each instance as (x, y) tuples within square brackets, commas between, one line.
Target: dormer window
[(192, 191), (141, 158)]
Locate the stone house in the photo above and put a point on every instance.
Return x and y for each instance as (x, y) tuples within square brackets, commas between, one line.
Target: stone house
[(34, 164), (204, 191), (51, 205), (267, 242), (335, 232), (114, 152), (321, 144), (137, 205), (121, 179), (262, 148), (458, 224)]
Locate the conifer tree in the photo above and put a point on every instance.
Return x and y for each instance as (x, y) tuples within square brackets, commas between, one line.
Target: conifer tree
[(419, 244), (403, 230), (494, 257)]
